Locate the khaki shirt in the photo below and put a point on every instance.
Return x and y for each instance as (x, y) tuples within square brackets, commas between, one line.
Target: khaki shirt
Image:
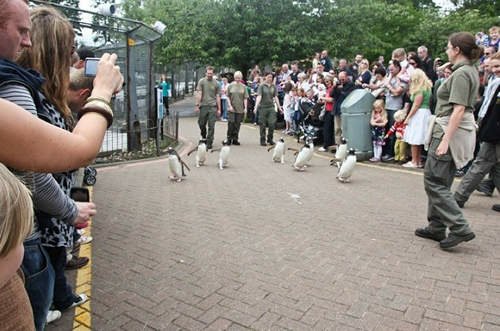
[(267, 93), (209, 90), (461, 88), (237, 94)]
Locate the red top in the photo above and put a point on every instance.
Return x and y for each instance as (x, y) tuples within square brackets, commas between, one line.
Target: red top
[(329, 105)]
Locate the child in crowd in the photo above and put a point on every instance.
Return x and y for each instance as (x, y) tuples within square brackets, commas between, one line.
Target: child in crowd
[(398, 128), (16, 223), (320, 87), (494, 38), (288, 106), (253, 95), (378, 122), (223, 98)]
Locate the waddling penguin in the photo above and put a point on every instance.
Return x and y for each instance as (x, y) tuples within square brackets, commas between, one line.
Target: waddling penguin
[(302, 156), (279, 151), (340, 154), (223, 154), (309, 142), (201, 152), (175, 165), (347, 167)]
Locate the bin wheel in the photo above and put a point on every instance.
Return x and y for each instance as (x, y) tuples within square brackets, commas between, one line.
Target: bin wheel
[(90, 171), (89, 180)]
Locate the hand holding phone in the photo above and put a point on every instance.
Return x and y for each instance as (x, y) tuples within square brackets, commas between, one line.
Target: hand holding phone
[(91, 64)]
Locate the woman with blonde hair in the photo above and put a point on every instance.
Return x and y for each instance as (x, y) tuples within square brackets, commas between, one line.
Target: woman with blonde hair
[(418, 117)]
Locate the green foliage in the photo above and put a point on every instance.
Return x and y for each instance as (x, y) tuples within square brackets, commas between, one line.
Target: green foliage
[(240, 33), (72, 15)]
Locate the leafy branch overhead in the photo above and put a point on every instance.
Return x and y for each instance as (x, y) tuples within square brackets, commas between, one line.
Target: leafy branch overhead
[(240, 33)]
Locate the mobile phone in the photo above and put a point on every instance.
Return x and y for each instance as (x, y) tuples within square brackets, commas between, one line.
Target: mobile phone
[(80, 194), (91, 66)]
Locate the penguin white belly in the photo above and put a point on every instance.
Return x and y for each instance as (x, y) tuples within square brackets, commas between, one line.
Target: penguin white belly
[(279, 152), (347, 168), (341, 152), (223, 156), (175, 168), (201, 155), (301, 159)]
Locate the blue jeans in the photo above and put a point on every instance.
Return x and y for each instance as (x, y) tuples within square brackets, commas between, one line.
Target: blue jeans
[(63, 293), (39, 276), (223, 103)]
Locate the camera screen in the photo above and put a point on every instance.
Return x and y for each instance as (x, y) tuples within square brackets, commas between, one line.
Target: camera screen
[(91, 66)]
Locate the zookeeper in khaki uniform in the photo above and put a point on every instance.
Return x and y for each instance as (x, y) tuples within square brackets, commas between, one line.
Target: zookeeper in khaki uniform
[(208, 105), (237, 101), (267, 97), (451, 139)]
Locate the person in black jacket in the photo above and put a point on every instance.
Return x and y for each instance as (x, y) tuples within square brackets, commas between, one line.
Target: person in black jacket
[(342, 90), (427, 63), (488, 157)]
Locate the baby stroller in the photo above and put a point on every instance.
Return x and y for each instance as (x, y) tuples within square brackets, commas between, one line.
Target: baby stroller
[(89, 176), (307, 121)]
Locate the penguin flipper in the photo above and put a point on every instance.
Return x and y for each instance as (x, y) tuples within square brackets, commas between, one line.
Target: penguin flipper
[(191, 151), (184, 164), (269, 149), (293, 149), (215, 150)]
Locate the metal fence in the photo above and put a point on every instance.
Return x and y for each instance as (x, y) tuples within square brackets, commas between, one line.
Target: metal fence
[(182, 77)]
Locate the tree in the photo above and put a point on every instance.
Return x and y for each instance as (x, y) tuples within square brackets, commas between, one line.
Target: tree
[(487, 7), (240, 33)]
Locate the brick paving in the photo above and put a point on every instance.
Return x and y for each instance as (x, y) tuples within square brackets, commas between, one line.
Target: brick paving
[(234, 250)]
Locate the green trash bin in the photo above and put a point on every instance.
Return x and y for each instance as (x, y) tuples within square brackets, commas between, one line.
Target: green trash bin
[(356, 112)]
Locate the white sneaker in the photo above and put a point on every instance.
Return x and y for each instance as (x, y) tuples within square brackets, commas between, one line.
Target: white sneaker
[(53, 315), (85, 240), (81, 232), (321, 149)]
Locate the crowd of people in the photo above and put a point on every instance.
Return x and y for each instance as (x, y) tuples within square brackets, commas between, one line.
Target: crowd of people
[(43, 87), (418, 102)]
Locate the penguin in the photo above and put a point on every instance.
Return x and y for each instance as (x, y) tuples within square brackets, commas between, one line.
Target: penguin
[(340, 154), (309, 142), (223, 154), (347, 167), (279, 151), (302, 156), (175, 165), (201, 152)]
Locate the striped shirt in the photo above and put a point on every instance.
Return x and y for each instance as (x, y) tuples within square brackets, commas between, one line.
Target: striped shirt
[(46, 194)]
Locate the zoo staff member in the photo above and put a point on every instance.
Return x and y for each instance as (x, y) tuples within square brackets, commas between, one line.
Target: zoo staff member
[(207, 105), (452, 143), (237, 101), (267, 97)]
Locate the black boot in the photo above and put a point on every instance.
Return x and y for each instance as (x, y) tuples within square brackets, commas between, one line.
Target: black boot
[(454, 239)]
